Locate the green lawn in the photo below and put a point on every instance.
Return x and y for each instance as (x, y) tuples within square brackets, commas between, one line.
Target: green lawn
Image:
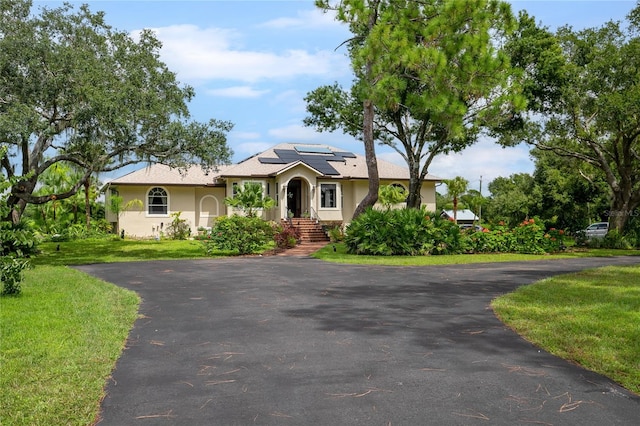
[(340, 255), (60, 339), (108, 250), (591, 318)]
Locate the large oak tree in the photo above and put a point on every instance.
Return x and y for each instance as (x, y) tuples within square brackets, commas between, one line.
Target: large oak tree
[(75, 90), (433, 73), (583, 89)]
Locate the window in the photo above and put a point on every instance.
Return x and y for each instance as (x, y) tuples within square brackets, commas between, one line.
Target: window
[(157, 201), (328, 195)]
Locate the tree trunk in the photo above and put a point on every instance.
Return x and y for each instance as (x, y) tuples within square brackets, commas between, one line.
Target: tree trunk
[(622, 208), (16, 204), (372, 163), (414, 200), (455, 210), (87, 204)]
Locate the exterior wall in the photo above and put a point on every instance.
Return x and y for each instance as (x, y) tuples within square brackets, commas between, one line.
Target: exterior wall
[(329, 213), (359, 189), (268, 188), (199, 206), (209, 204), (428, 195), (187, 200)]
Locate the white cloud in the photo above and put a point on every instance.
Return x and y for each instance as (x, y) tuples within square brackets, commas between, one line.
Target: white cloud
[(294, 133), (308, 19), (246, 149), (485, 158), (292, 100), (245, 135), (238, 92), (198, 54)]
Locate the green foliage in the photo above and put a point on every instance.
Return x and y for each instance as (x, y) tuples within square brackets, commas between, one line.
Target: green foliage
[(286, 236), (17, 242), (405, 232), (250, 198), (572, 194), (239, 234), (11, 268), (583, 102), (178, 229), (336, 234), (529, 237), (613, 240), (390, 195), (54, 110), (435, 73), (514, 199), (413, 232), (456, 187)]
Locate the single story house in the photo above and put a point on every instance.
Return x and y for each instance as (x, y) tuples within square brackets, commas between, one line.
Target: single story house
[(306, 180)]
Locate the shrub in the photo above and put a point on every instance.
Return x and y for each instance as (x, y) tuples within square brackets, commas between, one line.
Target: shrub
[(19, 239), (613, 240), (286, 236), (529, 237), (178, 229), (335, 234), (11, 274), (407, 232), (415, 232), (244, 235)]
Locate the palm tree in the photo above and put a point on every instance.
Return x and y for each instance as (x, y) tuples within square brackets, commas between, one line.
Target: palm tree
[(250, 198), (455, 188)]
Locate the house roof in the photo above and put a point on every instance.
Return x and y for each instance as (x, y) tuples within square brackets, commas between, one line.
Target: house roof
[(462, 215), (325, 160), (159, 174)]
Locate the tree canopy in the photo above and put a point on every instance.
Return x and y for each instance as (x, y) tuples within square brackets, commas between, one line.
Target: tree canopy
[(75, 90), (583, 89), (434, 73)]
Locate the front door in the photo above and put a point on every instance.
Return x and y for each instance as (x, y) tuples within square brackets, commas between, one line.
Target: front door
[(294, 197)]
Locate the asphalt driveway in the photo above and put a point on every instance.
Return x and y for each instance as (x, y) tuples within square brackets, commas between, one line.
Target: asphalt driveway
[(297, 341)]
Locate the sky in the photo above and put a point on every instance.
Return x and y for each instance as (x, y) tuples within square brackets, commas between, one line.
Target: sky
[(253, 62)]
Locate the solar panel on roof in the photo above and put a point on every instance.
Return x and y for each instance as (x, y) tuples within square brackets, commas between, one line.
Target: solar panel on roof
[(313, 149), (271, 160), (318, 162), (321, 165), (288, 155), (345, 154)]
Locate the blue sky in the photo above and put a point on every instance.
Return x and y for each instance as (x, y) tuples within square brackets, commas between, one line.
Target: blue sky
[(253, 62)]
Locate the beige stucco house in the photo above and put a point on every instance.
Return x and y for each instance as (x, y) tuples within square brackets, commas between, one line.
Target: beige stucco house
[(305, 180)]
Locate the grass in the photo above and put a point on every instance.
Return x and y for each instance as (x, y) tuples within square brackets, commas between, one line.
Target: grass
[(591, 318), (109, 250), (340, 255), (59, 342)]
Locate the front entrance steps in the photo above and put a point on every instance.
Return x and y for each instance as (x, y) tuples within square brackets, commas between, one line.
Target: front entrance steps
[(310, 230)]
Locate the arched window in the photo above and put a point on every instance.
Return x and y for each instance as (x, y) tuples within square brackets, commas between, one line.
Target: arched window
[(157, 201)]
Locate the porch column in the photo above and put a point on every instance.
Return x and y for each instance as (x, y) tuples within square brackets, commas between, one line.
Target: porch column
[(284, 202)]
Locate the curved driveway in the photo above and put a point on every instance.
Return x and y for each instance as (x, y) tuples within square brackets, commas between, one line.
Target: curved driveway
[(297, 341)]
